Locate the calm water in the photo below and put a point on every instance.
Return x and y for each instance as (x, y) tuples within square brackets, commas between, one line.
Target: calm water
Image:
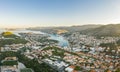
[(62, 41)]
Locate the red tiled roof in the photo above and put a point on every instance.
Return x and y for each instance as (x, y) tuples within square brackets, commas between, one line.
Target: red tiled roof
[(72, 66)]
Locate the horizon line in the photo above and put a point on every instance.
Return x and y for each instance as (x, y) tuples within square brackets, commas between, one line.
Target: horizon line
[(55, 26)]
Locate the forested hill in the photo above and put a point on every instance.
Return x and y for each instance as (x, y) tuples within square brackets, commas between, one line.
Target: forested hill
[(106, 30), (70, 29)]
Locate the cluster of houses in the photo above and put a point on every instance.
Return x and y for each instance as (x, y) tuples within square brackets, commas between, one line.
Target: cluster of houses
[(13, 47), (88, 58), (90, 40), (88, 46), (11, 64), (52, 60), (86, 61)]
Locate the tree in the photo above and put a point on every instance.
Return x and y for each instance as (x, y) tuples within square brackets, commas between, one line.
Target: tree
[(118, 70), (78, 68)]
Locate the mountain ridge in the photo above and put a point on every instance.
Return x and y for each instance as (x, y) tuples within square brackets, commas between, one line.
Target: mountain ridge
[(105, 30)]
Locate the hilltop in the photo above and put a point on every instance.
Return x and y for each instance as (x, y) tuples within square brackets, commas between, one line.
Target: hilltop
[(8, 34), (94, 30), (70, 29), (106, 30), (8, 38)]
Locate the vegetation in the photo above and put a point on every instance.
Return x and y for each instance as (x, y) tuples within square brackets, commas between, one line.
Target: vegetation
[(10, 38), (118, 42), (4, 42), (118, 70), (56, 52), (70, 29), (26, 70), (60, 51), (6, 54), (110, 45), (78, 68), (103, 31), (33, 64), (45, 39), (113, 47), (10, 63), (9, 35)]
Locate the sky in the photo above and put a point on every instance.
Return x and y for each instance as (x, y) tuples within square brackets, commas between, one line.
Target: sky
[(42, 13)]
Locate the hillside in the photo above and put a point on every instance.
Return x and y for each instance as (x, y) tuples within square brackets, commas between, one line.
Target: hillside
[(9, 35), (10, 38), (106, 30), (70, 29)]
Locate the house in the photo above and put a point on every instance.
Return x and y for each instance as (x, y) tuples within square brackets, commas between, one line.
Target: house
[(70, 69), (9, 64)]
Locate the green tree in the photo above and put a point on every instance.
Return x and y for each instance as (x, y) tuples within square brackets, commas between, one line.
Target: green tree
[(118, 70)]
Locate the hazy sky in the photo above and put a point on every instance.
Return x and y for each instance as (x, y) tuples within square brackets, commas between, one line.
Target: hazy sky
[(28, 13)]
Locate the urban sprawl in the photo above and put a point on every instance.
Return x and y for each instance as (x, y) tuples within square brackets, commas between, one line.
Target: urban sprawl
[(84, 53)]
